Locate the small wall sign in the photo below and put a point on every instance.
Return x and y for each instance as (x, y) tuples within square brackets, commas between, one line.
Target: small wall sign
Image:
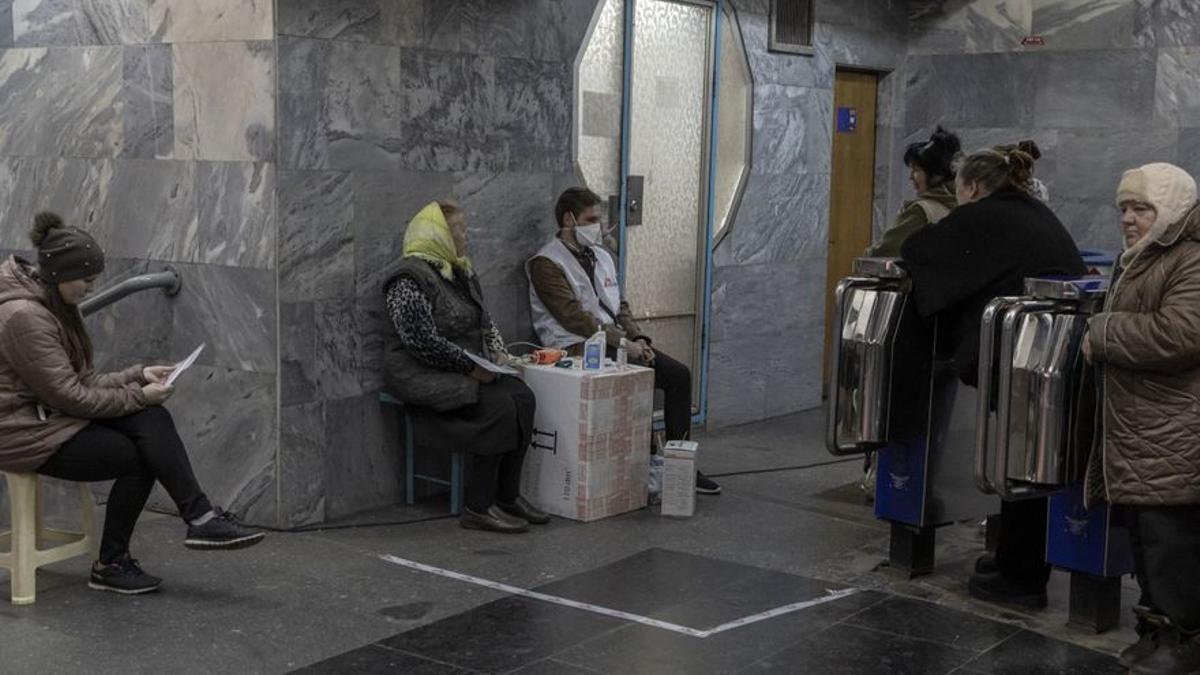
[(1033, 41), (847, 120)]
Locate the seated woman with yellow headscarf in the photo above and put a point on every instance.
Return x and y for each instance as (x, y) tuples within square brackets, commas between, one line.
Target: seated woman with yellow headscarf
[(436, 305)]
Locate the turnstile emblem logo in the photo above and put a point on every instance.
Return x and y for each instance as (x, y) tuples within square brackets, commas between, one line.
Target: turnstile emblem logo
[(1077, 525)]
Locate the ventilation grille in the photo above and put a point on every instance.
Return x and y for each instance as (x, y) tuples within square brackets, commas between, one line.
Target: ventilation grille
[(792, 26)]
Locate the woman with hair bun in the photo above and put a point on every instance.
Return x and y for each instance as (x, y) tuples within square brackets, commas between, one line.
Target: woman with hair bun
[(60, 418), (1028, 146), (931, 170), (997, 237)]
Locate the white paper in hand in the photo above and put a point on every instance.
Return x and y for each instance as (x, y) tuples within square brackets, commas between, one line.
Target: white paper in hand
[(491, 367), (184, 365)]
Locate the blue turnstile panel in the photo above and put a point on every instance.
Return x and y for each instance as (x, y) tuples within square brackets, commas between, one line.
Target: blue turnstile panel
[(1085, 540), (900, 483)]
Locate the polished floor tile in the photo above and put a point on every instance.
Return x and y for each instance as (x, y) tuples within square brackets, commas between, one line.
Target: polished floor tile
[(642, 649), (503, 635), (657, 580), (376, 659), (866, 632), (1029, 653), (927, 621), (843, 650), (554, 667)]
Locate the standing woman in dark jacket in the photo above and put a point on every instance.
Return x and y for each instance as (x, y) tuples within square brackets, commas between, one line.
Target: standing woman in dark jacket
[(997, 237), (436, 306), (60, 418)]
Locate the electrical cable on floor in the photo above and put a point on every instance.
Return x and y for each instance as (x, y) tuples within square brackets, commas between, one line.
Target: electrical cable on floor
[(352, 526), (798, 467)]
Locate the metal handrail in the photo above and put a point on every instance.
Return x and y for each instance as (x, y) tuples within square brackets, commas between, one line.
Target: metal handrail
[(1008, 334), (835, 356), (168, 279), (983, 410)]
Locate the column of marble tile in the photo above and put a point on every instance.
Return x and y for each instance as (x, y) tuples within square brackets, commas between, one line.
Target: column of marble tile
[(154, 128), (386, 106)]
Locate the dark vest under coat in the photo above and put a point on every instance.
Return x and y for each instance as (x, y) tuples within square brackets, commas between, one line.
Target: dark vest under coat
[(460, 317)]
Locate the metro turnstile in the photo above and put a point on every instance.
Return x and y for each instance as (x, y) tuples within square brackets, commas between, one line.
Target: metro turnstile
[(1028, 441), (890, 394)]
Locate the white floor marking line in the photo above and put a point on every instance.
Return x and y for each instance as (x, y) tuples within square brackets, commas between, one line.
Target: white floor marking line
[(780, 611), (616, 613)]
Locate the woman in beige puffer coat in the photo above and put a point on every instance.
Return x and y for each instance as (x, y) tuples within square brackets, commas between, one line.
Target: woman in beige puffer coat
[(1146, 345)]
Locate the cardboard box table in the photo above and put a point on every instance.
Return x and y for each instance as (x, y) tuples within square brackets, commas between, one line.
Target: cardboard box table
[(591, 442)]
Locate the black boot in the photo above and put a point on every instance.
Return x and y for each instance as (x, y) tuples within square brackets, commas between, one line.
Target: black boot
[(996, 588), (1151, 635), (986, 564), (1180, 658)]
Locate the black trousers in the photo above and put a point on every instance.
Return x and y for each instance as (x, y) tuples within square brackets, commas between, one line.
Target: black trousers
[(136, 450), (1166, 560), (675, 379), (496, 475), (1021, 546)]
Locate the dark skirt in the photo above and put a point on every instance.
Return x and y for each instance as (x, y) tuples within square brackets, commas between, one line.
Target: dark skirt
[(500, 421)]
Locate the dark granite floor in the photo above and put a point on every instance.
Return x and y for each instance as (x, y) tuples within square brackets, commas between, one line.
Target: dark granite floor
[(867, 632), (789, 526)]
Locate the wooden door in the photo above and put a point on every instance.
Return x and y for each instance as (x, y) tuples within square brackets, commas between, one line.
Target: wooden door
[(852, 188)]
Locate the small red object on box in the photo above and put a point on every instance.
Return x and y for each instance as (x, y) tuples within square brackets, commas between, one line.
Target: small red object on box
[(548, 357)]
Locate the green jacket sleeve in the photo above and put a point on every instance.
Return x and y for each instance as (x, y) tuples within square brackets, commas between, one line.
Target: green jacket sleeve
[(912, 218)]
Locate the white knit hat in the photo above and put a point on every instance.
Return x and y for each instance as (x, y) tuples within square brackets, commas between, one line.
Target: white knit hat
[(1166, 187)]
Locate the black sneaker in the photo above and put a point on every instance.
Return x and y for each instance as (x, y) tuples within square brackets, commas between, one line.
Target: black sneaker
[(123, 576), (706, 485), (221, 532)]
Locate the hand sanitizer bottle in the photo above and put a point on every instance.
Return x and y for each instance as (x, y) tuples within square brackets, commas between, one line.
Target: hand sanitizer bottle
[(593, 352)]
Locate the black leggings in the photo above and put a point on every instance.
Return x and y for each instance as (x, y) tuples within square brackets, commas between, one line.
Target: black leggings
[(136, 450)]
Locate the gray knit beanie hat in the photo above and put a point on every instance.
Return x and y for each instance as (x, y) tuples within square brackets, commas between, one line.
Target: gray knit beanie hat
[(64, 253)]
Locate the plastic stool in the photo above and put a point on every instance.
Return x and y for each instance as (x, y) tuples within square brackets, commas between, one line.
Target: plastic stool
[(28, 533), (411, 477)]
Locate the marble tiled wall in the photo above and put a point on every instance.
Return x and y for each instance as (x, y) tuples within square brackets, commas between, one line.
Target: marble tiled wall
[(1114, 86), (769, 278), (386, 105), (152, 124), (274, 151)]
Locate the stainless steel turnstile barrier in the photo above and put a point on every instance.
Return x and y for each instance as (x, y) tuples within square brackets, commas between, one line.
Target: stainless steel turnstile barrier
[(890, 394), (1028, 441)]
